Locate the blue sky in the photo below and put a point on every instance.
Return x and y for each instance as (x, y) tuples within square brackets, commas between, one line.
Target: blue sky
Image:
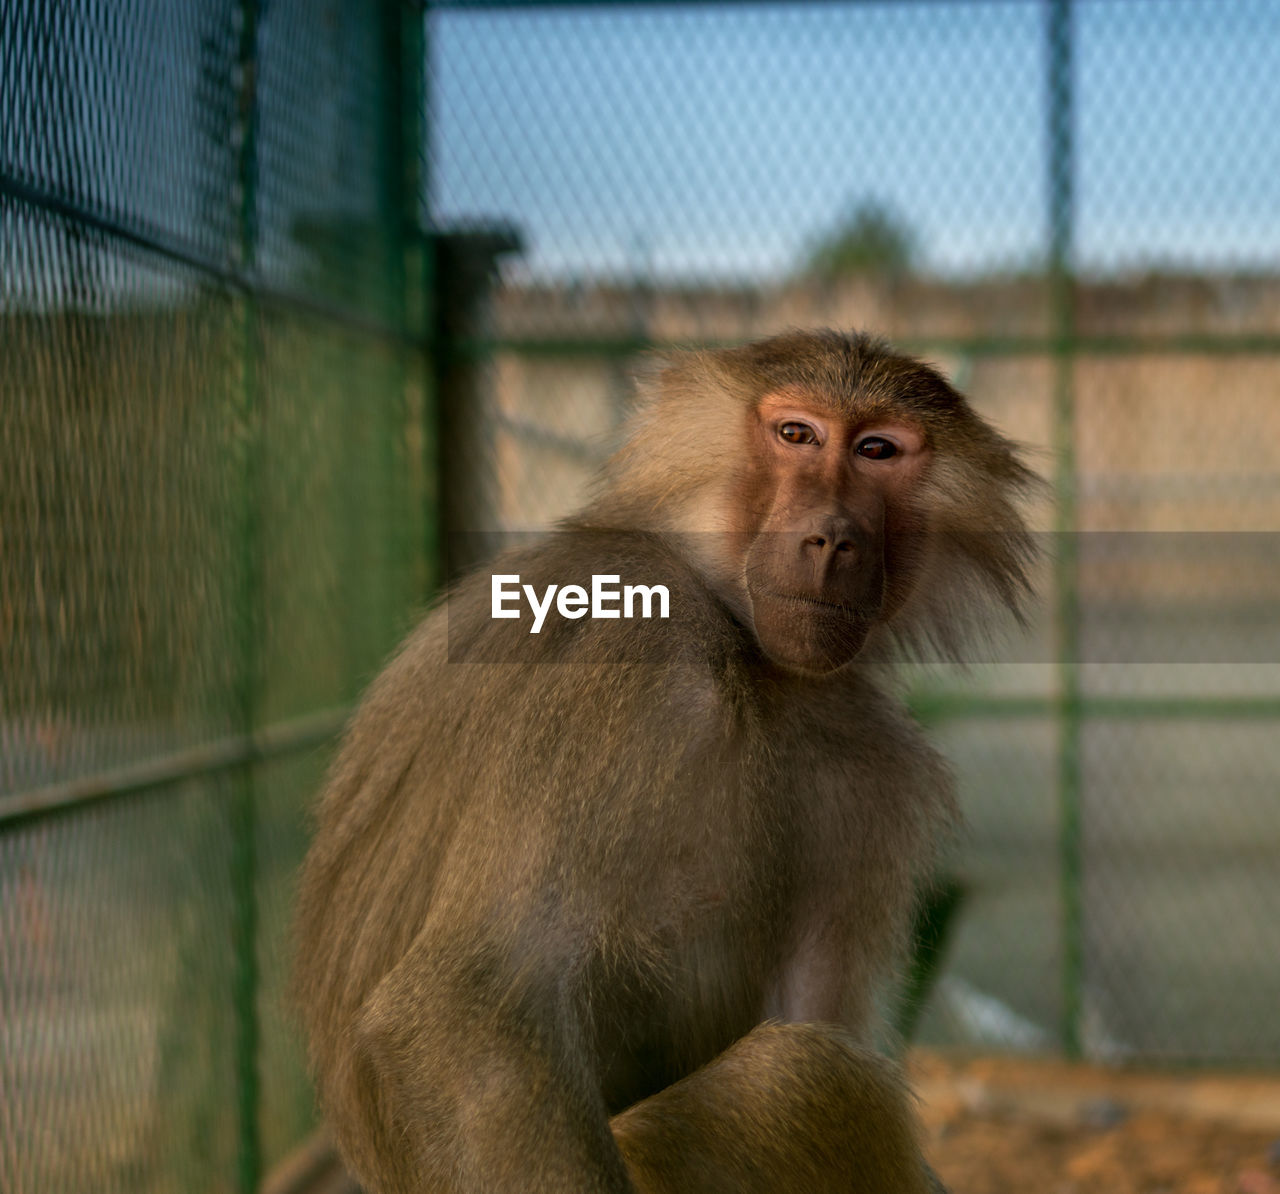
[(717, 140)]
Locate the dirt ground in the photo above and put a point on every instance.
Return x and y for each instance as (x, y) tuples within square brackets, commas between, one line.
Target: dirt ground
[(1008, 1126)]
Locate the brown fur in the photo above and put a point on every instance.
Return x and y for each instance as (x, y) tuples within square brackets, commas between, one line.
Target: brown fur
[(837, 1118), (550, 892)]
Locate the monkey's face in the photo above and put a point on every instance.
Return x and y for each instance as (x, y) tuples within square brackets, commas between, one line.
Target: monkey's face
[(835, 529)]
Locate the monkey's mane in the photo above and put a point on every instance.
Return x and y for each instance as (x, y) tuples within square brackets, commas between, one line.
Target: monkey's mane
[(683, 460)]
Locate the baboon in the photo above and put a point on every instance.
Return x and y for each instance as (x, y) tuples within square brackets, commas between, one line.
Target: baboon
[(606, 907)]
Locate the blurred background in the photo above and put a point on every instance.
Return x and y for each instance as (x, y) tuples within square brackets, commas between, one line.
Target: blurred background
[(291, 290)]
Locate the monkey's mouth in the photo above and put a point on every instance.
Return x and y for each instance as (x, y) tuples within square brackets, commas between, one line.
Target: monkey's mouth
[(808, 633), (810, 603)]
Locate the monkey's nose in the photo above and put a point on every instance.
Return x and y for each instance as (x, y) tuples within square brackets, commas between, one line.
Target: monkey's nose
[(830, 537), (826, 543)]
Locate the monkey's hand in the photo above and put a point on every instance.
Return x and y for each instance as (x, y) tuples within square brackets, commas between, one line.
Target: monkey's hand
[(788, 1109)]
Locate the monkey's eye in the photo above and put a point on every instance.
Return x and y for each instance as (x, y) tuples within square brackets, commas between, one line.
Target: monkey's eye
[(797, 433), (876, 448)]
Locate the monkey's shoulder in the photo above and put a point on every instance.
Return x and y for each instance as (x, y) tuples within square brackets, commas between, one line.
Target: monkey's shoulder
[(588, 595), (675, 666)]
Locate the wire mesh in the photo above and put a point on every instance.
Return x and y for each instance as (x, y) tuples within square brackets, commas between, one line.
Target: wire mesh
[(212, 391), (1059, 203), (221, 435)]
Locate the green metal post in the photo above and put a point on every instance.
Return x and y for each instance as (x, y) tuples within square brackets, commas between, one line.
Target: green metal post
[(406, 50), (433, 549), (1061, 155), (248, 626)]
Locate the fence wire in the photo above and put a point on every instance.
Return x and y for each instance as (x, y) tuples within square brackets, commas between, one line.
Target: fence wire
[(1061, 204), (230, 390), (212, 512)]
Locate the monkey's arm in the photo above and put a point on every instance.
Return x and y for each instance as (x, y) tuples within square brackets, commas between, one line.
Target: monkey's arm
[(482, 1075), (476, 845)]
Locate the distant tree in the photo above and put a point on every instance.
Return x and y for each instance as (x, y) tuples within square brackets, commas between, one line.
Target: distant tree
[(869, 239)]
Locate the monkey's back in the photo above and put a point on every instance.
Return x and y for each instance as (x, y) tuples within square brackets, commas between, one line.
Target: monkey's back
[(583, 735)]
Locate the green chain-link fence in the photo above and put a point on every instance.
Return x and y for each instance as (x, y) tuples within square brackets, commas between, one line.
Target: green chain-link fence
[(212, 529), (1070, 206), (232, 387)]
